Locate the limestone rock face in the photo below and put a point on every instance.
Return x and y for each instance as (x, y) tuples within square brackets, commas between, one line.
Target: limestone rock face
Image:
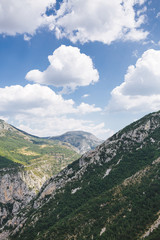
[(17, 189), (95, 171), (82, 141), (104, 153), (26, 162), (5, 126), (13, 188)]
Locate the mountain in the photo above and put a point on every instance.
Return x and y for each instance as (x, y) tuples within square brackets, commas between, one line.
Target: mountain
[(26, 162), (82, 141), (112, 192), (23, 150)]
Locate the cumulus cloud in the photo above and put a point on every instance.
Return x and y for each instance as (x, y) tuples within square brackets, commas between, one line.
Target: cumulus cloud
[(34, 100), (17, 16), (103, 20), (57, 126), (84, 108), (140, 91), (39, 110), (68, 69), (39, 100), (80, 20)]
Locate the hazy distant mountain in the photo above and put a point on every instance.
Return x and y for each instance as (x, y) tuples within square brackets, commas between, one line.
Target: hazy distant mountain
[(82, 141), (112, 192)]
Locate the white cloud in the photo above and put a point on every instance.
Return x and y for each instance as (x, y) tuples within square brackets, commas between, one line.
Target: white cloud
[(80, 20), (68, 69), (85, 95), (39, 100), (158, 15), (142, 10), (57, 126), (103, 20), (135, 53), (140, 91), (17, 16), (40, 111), (33, 100), (27, 37), (84, 108)]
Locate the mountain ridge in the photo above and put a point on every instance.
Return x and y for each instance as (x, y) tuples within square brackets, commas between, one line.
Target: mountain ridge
[(26, 162), (88, 198), (81, 140)]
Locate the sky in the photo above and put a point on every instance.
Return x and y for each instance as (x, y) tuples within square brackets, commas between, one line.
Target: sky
[(91, 65)]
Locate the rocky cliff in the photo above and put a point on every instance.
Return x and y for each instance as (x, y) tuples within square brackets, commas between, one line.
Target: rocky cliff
[(82, 141), (26, 162), (111, 192)]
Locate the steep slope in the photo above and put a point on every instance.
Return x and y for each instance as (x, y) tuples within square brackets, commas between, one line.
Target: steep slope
[(110, 193), (26, 162), (82, 141), (41, 157), (26, 150)]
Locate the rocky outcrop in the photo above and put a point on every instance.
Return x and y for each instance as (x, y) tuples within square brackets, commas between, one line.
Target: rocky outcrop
[(121, 142), (17, 189), (80, 140), (154, 226), (26, 162), (118, 160)]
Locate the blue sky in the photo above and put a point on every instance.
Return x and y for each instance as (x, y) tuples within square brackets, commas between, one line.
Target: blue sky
[(89, 65)]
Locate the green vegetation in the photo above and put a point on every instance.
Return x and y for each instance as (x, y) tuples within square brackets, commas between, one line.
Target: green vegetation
[(18, 149), (4, 162), (124, 211), (155, 235), (42, 156), (119, 206)]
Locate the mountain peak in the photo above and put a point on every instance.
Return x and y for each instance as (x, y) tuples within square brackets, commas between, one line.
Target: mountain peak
[(105, 189), (81, 140), (5, 126), (111, 192)]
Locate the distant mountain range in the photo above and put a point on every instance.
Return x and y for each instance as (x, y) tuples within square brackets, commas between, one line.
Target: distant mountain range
[(82, 141), (20, 149), (110, 193)]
